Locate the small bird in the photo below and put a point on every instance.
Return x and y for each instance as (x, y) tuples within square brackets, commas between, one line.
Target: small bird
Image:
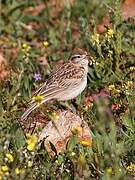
[(65, 83)]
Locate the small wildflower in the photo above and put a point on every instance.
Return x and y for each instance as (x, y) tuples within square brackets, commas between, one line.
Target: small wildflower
[(132, 68), (111, 87), (45, 43), (110, 34), (86, 143), (25, 47), (30, 163), (17, 171), (109, 170), (56, 161), (37, 77), (38, 98), (131, 168), (55, 116), (73, 154), (31, 142), (9, 156), (4, 168), (120, 170), (77, 130), (129, 84), (95, 38)]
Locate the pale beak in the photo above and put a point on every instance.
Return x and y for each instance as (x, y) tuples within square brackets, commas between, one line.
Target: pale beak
[(89, 59)]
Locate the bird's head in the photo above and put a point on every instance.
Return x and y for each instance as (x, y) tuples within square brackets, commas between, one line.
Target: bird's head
[(79, 56)]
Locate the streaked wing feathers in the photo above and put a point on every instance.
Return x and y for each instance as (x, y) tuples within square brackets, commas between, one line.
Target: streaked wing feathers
[(66, 75)]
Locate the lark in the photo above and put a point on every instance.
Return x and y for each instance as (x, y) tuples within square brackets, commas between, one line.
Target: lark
[(65, 83)]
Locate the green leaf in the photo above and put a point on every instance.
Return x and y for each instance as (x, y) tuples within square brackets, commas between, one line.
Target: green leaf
[(19, 139), (26, 82), (68, 35), (72, 143)]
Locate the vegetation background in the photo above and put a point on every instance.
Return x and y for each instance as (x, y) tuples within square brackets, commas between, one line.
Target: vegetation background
[(36, 36)]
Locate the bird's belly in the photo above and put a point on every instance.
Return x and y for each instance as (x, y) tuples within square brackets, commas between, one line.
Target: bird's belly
[(72, 93)]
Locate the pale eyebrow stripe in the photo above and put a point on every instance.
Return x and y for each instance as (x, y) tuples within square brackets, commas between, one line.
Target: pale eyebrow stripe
[(73, 57)]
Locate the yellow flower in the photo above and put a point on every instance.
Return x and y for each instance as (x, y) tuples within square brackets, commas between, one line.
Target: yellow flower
[(17, 171), (86, 143), (73, 154), (131, 168), (30, 163), (109, 170), (9, 156), (45, 43), (55, 116), (56, 161), (111, 87), (110, 33), (25, 47), (132, 68), (31, 142), (38, 98), (129, 84), (95, 38), (4, 168), (77, 130)]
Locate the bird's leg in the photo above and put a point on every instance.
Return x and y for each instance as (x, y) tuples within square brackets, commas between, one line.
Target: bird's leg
[(68, 106)]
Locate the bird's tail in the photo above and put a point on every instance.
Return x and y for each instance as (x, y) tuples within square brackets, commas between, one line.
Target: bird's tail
[(29, 110), (36, 102), (32, 106)]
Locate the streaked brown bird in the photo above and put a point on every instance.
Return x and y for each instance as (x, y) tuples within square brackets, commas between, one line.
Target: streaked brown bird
[(65, 83)]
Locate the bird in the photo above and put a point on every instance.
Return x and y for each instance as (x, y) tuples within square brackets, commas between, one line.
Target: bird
[(64, 83)]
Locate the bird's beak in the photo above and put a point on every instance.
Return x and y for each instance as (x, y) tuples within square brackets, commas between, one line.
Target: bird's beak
[(89, 59)]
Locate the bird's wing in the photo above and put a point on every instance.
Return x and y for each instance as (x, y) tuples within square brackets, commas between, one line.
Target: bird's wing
[(67, 75)]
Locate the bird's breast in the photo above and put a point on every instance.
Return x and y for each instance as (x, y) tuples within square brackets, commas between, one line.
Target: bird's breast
[(71, 93)]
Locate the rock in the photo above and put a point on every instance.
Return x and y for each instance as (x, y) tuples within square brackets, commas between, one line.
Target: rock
[(59, 131)]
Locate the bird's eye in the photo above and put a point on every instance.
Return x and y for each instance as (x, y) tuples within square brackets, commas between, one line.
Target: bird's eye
[(78, 56), (75, 57)]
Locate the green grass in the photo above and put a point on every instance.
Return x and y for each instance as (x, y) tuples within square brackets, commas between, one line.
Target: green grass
[(111, 119)]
